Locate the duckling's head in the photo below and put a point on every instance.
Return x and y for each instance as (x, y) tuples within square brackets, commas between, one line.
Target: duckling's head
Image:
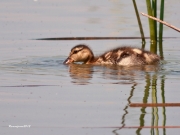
[(80, 53)]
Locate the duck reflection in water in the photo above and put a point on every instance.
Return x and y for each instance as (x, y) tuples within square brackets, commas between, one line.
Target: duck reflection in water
[(81, 74)]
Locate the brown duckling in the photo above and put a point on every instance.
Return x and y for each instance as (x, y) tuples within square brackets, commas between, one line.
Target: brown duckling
[(125, 56)]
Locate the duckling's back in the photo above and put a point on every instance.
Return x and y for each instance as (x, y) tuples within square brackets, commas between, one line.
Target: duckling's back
[(128, 56)]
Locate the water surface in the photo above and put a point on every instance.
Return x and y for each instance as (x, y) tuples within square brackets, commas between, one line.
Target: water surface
[(37, 89)]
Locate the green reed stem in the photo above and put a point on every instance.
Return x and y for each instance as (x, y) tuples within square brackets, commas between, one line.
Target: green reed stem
[(161, 18), (153, 47), (139, 22), (154, 8), (161, 49)]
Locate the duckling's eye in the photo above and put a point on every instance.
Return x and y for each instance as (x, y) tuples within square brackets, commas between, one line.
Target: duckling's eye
[(75, 52), (125, 55)]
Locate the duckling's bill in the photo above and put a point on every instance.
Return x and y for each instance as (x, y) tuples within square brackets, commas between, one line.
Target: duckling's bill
[(68, 61)]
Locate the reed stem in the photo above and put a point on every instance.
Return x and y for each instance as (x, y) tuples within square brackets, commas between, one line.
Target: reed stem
[(163, 22), (154, 9), (160, 24), (153, 47), (139, 22)]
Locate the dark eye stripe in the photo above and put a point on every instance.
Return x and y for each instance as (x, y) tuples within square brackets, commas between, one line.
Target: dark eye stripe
[(76, 51)]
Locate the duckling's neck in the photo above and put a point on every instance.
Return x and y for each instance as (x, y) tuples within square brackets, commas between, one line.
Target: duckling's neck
[(91, 59)]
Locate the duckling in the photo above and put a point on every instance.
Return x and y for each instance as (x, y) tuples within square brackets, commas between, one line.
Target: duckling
[(123, 56)]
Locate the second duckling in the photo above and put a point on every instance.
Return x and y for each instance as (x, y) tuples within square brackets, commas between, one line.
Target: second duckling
[(124, 56)]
